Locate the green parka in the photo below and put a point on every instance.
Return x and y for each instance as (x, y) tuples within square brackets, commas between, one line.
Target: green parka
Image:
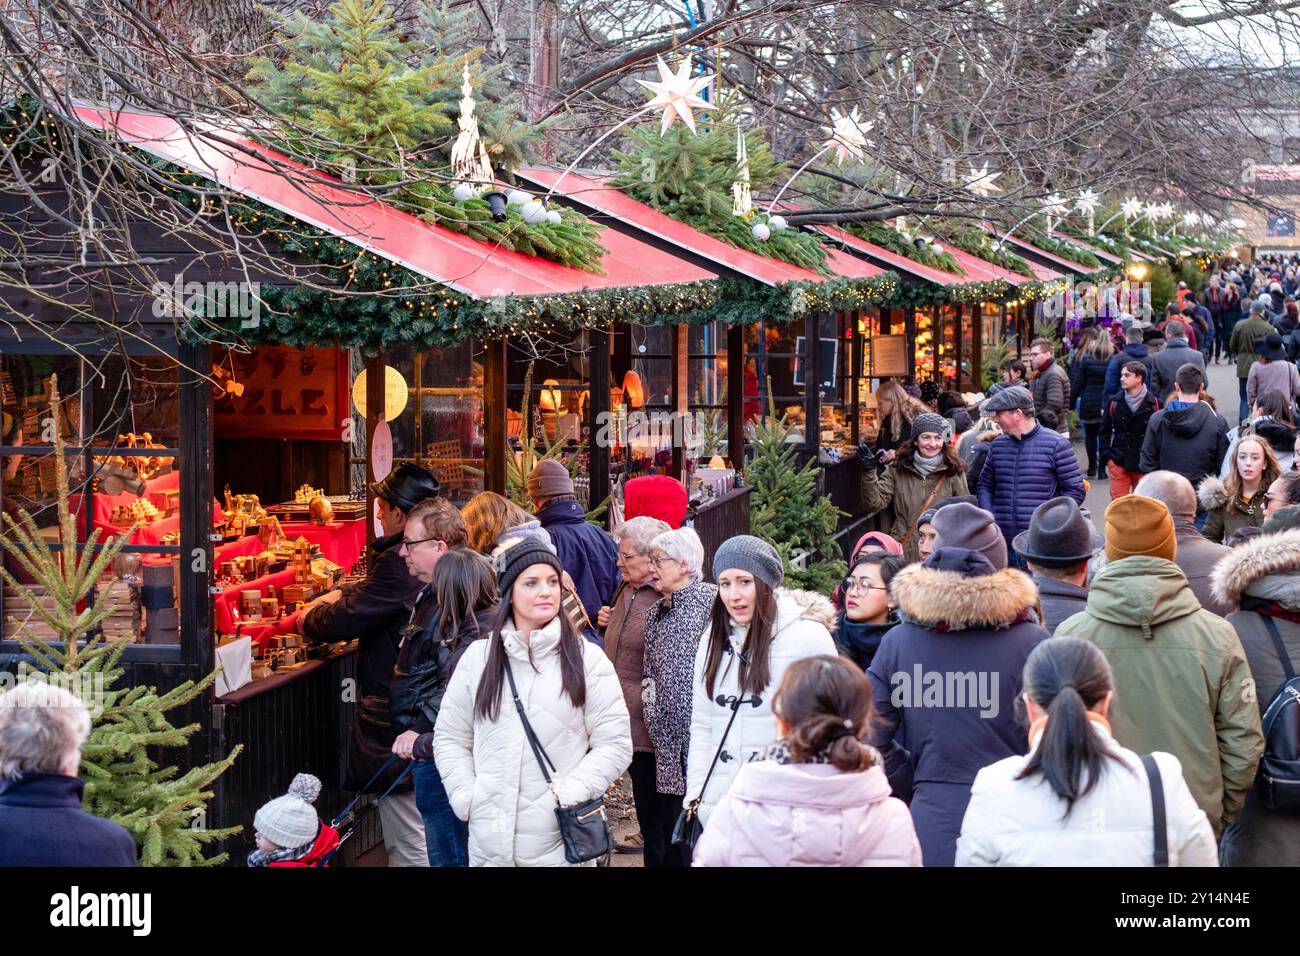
[(1182, 684), (904, 487)]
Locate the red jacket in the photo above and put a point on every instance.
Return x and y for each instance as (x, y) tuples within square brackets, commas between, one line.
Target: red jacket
[(326, 840)]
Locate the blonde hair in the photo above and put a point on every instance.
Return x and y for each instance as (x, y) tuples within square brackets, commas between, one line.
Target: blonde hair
[(899, 423), (1102, 347), (41, 725), (1272, 470), (486, 515)]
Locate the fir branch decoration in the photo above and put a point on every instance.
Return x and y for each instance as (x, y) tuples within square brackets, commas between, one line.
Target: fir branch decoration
[(374, 107), (688, 177), (1063, 248), (123, 781), (979, 243), (887, 237)]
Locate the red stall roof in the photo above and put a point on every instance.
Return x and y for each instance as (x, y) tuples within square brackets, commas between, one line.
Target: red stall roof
[(1096, 248), (595, 194), (893, 260), (978, 269), (475, 268), (1050, 256)]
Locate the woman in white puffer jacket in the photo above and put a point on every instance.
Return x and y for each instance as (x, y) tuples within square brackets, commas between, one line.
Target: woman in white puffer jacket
[(1078, 798), (758, 630), (572, 698)]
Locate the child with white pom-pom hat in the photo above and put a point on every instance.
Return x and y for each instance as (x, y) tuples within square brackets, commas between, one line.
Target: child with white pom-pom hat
[(288, 830)]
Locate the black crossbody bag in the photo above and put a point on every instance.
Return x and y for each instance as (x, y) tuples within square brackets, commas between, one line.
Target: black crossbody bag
[(584, 827), (687, 829)]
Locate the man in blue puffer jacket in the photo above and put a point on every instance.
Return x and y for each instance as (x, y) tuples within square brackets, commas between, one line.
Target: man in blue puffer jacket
[(1027, 465), (586, 552)]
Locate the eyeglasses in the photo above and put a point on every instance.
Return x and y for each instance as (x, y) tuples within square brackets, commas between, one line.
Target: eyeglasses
[(659, 562), (628, 557), (408, 544), (861, 584)]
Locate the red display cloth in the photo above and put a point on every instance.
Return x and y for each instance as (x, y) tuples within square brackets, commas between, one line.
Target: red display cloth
[(168, 482), (262, 633), (226, 604), (340, 542)]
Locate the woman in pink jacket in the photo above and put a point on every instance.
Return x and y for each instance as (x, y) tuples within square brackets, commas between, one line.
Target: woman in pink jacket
[(817, 796)]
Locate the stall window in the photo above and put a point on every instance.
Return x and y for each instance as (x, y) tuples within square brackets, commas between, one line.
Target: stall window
[(707, 384), (782, 384), (949, 324), (925, 354), (641, 399), (560, 393), (119, 421)]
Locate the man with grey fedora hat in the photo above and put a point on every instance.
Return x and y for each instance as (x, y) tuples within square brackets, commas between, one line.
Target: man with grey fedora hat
[(1057, 547)]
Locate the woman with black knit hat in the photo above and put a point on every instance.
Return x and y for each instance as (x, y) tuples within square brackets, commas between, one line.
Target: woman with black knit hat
[(757, 630), (925, 472), (571, 697)]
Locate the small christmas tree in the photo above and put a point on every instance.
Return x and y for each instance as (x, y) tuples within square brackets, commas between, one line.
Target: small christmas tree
[(123, 781), (787, 511)]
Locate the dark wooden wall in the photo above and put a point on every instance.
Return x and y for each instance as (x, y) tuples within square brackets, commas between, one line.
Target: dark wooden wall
[(273, 468)]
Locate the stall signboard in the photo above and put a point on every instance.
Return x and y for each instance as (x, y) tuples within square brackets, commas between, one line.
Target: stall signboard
[(888, 356), (286, 393), (829, 358)]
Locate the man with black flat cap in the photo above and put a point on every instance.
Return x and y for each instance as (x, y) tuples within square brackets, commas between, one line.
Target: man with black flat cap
[(1057, 547), (375, 610)]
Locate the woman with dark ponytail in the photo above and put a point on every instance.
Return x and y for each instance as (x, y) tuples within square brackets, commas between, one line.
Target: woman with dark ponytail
[(1078, 798), (817, 795)]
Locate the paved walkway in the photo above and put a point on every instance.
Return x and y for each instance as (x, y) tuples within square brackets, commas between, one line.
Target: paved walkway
[(1222, 385)]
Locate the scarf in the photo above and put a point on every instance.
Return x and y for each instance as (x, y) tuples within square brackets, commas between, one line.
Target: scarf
[(859, 640), (1269, 608), (926, 467), (258, 858), (1135, 400), (1039, 371), (778, 751)]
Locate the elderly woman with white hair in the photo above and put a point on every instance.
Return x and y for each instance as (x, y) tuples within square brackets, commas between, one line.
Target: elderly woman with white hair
[(672, 634), (623, 624), (42, 731)]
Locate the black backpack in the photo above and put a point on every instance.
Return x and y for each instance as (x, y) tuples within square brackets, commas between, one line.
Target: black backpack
[(1278, 780)]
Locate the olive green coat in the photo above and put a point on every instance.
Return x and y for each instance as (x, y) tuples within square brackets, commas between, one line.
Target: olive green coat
[(1224, 517), (904, 487), (1182, 683)]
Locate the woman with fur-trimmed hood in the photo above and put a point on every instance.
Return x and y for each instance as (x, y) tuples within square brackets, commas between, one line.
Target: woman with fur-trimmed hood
[(946, 679), (1261, 580), (1239, 501), (757, 630)]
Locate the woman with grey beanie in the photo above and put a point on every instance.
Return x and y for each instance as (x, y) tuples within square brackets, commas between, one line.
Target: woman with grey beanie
[(926, 471), (757, 630)]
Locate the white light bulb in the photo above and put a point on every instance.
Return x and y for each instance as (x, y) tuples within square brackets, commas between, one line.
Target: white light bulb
[(462, 192), (937, 249), (517, 197), (553, 217), (777, 222), (761, 232), (533, 212)]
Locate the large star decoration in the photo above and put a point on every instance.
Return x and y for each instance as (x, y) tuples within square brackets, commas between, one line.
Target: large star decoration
[(1088, 202), (1055, 205), (676, 94), (1132, 208), (1191, 219), (982, 182), (848, 135)]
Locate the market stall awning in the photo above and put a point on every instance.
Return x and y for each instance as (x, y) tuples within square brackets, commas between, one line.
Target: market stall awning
[(475, 268), (594, 194), (1051, 257), (981, 270), (901, 264), (1094, 247)]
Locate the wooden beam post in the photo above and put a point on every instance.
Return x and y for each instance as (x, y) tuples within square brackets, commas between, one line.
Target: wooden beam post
[(736, 396), (598, 417), (195, 413), (496, 441), (375, 371)]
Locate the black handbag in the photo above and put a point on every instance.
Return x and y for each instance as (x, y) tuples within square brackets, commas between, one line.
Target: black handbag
[(584, 827), (687, 829), (1158, 825)]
